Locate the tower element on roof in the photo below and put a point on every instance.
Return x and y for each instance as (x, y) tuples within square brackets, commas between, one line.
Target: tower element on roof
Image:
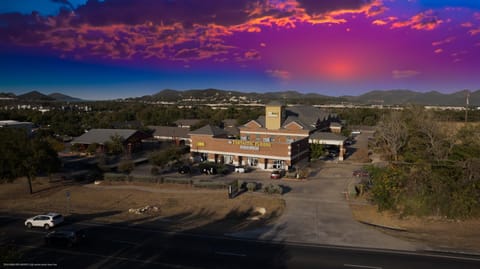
[(274, 115)]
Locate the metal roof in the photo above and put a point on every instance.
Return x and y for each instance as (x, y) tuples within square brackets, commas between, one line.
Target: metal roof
[(209, 130), (100, 136)]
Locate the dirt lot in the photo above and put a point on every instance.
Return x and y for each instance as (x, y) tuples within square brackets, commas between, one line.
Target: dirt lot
[(438, 233), (178, 207)]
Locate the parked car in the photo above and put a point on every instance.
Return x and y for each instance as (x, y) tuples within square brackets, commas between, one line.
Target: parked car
[(360, 173), (276, 174), (46, 221), (66, 237), (240, 169), (184, 169)]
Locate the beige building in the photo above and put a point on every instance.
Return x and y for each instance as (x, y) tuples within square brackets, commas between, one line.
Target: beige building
[(276, 140)]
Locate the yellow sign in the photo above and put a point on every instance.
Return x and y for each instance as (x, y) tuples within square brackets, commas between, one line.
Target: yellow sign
[(200, 144), (250, 143)]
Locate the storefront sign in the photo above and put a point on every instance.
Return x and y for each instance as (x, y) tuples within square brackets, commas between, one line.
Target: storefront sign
[(249, 147), (250, 143), (200, 144)]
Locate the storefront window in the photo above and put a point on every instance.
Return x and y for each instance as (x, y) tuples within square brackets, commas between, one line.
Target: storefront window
[(278, 164)]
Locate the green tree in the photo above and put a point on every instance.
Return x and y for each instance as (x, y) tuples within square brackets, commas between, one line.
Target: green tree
[(115, 145), (316, 151)]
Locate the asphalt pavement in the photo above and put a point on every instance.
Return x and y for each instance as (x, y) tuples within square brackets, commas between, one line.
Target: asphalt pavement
[(127, 246)]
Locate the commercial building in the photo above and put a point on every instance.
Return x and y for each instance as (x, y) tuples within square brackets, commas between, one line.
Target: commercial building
[(277, 140)]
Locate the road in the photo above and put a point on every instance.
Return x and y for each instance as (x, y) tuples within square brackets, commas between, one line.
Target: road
[(116, 246)]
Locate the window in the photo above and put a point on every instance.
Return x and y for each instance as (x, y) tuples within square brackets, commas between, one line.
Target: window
[(266, 139), (278, 164)]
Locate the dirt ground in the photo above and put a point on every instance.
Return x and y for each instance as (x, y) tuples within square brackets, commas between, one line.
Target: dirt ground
[(177, 207), (437, 233)]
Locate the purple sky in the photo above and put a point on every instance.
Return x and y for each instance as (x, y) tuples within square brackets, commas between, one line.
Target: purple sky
[(124, 48)]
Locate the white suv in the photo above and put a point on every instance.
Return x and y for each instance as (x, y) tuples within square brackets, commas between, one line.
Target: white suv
[(46, 220)]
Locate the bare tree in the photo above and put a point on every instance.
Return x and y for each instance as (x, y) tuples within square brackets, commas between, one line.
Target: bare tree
[(439, 137), (392, 134)]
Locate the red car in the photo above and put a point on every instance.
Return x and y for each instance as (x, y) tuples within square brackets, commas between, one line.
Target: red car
[(276, 174)]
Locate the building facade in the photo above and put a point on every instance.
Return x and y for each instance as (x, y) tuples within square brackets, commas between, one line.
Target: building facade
[(276, 140)]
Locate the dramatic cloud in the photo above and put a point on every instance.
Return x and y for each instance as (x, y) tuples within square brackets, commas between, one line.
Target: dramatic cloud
[(423, 21), (177, 30)]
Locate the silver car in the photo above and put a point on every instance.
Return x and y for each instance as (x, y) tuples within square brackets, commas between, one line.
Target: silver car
[(46, 221)]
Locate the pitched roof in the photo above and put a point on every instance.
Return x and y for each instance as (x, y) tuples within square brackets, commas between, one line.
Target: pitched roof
[(100, 136), (295, 119), (209, 130), (327, 136), (169, 131), (335, 124), (274, 103)]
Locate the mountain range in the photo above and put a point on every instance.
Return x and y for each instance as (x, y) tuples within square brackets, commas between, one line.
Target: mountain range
[(390, 97), (38, 96)]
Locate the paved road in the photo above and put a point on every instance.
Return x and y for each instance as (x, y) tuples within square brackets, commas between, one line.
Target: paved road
[(116, 246)]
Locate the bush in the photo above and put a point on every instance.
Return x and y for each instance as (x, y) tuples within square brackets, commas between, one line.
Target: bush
[(126, 166), (149, 179), (210, 185), (251, 186), (272, 189)]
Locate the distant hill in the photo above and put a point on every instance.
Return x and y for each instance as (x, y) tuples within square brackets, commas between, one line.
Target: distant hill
[(35, 96), (64, 98), (38, 96), (226, 96), (402, 97)]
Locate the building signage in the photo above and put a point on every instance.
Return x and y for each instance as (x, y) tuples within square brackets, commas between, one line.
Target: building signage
[(249, 147), (250, 143), (200, 144)]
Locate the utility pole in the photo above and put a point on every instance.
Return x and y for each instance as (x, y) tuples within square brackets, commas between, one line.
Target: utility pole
[(467, 102)]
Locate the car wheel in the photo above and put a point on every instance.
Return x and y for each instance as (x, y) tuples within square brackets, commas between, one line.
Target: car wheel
[(29, 225), (46, 226)]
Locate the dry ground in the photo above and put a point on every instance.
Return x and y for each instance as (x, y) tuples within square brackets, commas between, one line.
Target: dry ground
[(179, 207), (437, 233)]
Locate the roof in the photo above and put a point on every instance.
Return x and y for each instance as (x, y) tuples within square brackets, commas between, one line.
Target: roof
[(327, 136), (308, 114), (274, 103), (335, 124), (209, 130), (295, 119), (169, 131), (100, 136)]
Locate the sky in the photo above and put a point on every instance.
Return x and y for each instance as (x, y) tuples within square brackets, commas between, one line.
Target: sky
[(112, 49)]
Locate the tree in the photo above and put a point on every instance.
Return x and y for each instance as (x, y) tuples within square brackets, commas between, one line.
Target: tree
[(21, 155), (391, 134), (316, 151), (115, 145)]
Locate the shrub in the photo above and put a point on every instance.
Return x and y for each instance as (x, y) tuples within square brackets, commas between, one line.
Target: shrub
[(210, 185), (272, 189), (251, 186), (149, 179), (126, 166)]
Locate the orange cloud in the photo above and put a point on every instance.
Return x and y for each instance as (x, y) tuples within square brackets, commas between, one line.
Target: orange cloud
[(423, 21), (445, 41)]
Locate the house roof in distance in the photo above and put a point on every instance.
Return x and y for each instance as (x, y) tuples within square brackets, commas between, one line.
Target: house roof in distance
[(209, 130), (327, 136), (100, 136), (169, 131)]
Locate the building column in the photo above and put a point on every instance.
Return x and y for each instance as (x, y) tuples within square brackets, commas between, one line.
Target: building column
[(341, 153)]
